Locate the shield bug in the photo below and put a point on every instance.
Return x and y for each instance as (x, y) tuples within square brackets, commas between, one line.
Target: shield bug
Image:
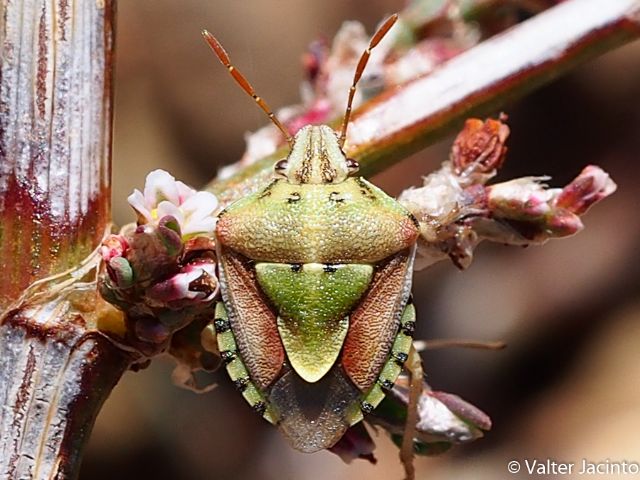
[(316, 321)]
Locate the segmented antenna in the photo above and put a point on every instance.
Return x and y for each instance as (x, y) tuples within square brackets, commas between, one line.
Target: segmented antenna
[(243, 82), (379, 35)]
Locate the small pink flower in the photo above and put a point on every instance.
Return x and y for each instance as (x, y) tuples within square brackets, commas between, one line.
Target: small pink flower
[(164, 195), (549, 212)]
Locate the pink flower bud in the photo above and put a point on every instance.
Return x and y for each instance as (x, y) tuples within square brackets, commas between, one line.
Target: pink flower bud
[(463, 409), (592, 185), (563, 223), (120, 272), (113, 246), (523, 199)]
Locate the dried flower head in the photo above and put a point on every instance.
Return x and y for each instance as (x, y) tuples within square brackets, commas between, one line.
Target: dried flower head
[(480, 145)]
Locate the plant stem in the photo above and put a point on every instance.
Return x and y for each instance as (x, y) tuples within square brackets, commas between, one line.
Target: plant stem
[(55, 136), (56, 370), (54, 378)]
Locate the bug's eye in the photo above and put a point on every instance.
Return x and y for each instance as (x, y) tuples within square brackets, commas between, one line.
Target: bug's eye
[(281, 166), (352, 165)]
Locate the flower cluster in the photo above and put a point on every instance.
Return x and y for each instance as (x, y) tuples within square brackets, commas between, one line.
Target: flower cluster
[(162, 270), (535, 213), (456, 210)]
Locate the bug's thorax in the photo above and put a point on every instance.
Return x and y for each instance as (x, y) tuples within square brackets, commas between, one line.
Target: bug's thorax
[(316, 157)]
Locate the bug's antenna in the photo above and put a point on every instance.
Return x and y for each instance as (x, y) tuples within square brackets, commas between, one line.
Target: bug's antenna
[(243, 82), (379, 35)]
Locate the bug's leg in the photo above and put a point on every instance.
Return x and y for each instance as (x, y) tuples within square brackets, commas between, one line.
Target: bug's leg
[(421, 345), (414, 366)]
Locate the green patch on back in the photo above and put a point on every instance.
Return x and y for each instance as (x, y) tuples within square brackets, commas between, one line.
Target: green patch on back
[(313, 302)]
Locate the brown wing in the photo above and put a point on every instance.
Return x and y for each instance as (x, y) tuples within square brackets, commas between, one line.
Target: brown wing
[(252, 320), (374, 323)]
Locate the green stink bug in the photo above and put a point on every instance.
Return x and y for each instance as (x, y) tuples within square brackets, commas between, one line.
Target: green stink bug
[(315, 269)]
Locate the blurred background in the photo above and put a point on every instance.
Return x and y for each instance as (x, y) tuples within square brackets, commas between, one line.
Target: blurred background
[(566, 388)]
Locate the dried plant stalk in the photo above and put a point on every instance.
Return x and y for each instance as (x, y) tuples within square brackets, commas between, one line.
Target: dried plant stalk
[(55, 117), (55, 142), (54, 377)]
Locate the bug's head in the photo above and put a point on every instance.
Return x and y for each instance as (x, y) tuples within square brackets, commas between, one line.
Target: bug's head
[(316, 157)]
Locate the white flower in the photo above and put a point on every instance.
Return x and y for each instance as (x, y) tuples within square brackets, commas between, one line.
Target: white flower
[(164, 195)]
